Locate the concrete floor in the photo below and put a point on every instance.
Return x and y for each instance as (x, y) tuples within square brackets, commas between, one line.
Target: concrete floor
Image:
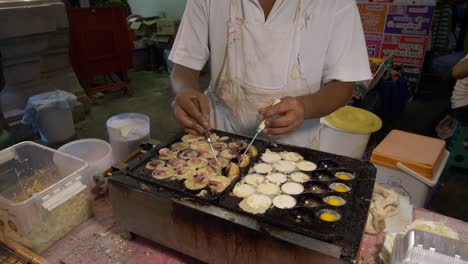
[(152, 96)]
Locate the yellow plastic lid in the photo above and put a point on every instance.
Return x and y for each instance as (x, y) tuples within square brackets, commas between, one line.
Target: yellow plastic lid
[(354, 120)]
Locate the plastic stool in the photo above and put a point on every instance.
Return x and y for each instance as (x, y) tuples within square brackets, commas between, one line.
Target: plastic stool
[(459, 148)]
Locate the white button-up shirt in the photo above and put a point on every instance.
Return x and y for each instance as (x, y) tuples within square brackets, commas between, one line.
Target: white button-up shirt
[(332, 48)]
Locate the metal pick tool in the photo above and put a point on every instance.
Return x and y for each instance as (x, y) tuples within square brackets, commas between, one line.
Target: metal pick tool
[(260, 128), (207, 131)]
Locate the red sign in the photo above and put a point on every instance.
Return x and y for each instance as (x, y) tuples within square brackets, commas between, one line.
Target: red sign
[(374, 44), (407, 50)]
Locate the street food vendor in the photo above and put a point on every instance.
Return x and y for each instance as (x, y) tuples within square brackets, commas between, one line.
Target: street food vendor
[(307, 53)]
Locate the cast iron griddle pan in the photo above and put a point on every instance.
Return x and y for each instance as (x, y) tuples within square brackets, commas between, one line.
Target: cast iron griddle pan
[(304, 219), (137, 169)]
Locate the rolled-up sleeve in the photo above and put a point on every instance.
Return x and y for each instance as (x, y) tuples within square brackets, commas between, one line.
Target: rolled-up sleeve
[(346, 58), (190, 48)]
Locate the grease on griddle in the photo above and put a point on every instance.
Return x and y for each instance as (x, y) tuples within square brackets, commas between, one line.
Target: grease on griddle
[(327, 164), (322, 175), (315, 187), (308, 200)]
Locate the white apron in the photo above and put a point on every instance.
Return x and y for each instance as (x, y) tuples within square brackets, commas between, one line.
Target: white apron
[(261, 65)]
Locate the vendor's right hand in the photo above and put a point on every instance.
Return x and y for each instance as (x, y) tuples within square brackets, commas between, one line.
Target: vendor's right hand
[(188, 114)]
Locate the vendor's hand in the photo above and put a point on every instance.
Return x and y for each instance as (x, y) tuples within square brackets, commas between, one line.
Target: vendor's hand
[(290, 114), (188, 113)]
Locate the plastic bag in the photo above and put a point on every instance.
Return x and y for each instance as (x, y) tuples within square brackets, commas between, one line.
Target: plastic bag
[(446, 128), (57, 99)]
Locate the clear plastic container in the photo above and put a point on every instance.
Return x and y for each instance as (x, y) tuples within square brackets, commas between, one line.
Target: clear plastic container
[(96, 152), (43, 194), (126, 133)]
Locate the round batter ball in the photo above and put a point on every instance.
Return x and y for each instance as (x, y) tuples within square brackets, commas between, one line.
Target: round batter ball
[(254, 179), (180, 146), (292, 188), (285, 166), (263, 168), (306, 165), (163, 173), (270, 157), (269, 189), (167, 154), (193, 184), (207, 171), (243, 190), (185, 172), (277, 178), (220, 146), (221, 163), (284, 201), (299, 177), (207, 154), (291, 156), (256, 204), (188, 154), (238, 144), (176, 163), (197, 162), (218, 184), (155, 164), (200, 145), (229, 153), (191, 138)]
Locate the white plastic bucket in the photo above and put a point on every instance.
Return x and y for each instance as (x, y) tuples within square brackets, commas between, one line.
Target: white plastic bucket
[(126, 133), (55, 125), (340, 142), (97, 153)]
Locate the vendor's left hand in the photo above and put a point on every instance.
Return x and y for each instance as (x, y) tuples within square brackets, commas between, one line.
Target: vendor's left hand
[(290, 116)]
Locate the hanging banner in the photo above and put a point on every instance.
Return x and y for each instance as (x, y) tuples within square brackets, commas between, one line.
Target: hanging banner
[(399, 28), (406, 50), (409, 20), (373, 17), (374, 44)]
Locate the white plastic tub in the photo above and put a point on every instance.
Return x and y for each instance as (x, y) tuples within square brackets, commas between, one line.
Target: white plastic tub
[(126, 133), (409, 183), (340, 142), (55, 125), (96, 152), (51, 114), (43, 194)]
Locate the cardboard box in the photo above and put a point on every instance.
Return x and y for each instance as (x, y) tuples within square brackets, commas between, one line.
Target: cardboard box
[(168, 26)]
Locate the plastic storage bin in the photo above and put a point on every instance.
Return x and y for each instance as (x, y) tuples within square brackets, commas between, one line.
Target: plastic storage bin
[(126, 132), (43, 194), (421, 154), (408, 183), (96, 152), (409, 163)]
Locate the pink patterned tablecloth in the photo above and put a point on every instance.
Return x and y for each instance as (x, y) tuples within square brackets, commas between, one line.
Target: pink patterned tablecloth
[(98, 241)]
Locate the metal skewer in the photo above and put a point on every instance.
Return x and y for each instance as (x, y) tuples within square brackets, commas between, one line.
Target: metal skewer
[(207, 131), (260, 128)]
